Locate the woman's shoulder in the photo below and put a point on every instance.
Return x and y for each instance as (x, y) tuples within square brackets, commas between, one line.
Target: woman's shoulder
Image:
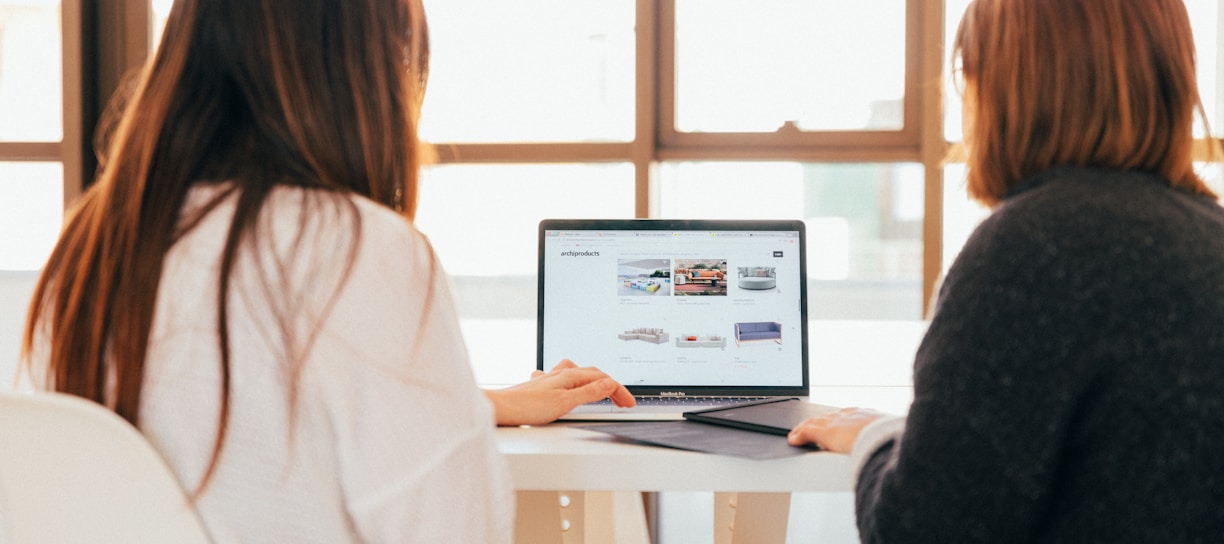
[(323, 216), (313, 239), (334, 205), (1069, 205), (1079, 223), (1078, 190)]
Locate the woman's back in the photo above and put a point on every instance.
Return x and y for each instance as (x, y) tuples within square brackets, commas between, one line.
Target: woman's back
[(1071, 385), (353, 413)]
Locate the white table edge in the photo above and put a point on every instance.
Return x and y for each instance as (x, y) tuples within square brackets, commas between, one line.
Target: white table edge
[(560, 457)]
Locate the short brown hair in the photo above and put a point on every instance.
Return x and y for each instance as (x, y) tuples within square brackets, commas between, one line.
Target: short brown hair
[(1101, 83)]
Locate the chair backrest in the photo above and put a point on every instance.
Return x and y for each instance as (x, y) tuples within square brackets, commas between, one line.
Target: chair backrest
[(73, 471)]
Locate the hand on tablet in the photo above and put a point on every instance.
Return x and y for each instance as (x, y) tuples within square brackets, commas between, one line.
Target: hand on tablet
[(549, 395), (835, 431)]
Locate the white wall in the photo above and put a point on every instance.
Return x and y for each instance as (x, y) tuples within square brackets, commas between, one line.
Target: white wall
[(15, 291)]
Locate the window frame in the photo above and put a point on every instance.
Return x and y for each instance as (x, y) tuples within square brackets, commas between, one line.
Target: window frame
[(66, 151), (99, 46), (655, 138), (118, 46), (793, 142)]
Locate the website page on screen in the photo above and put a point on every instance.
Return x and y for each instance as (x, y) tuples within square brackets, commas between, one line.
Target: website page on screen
[(694, 308)]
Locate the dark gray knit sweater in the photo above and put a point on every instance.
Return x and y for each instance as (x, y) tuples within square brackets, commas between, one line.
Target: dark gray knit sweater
[(1071, 385)]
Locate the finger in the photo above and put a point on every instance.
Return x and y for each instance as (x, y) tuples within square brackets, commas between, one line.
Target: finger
[(578, 377), (805, 433), (593, 391), (621, 396), (564, 364), (800, 436)]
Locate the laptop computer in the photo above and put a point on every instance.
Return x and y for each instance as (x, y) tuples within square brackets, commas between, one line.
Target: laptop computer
[(684, 313)]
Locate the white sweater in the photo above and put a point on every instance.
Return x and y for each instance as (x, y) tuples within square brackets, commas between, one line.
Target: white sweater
[(388, 439)]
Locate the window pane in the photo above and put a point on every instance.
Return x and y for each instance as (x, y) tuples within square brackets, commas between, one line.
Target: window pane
[(482, 220), (161, 12), (530, 71), (823, 64), (1213, 174), (1205, 20), (961, 214), (953, 11), (31, 82), (864, 225), (31, 212)]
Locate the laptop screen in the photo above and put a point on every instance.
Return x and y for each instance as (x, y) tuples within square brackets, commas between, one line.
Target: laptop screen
[(689, 306)]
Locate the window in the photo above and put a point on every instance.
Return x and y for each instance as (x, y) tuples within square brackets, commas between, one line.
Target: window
[(59, 61), (31, 211), (541, 71), (815, 109), (666, 98), (31, 131), (813, 65)]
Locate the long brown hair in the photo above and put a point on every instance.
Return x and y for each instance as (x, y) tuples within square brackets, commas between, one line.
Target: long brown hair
[(1104, 83), (322, 94)]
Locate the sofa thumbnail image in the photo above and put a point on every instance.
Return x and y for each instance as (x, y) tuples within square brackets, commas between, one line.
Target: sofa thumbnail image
[(645, 285), (654, 336), (757, 277), (699, 282), (701, 341), (758, 331), (708, 276)]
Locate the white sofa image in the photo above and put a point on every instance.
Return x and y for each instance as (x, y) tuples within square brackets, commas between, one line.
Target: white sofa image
[(757, 278), (701, 341), (654, 336)]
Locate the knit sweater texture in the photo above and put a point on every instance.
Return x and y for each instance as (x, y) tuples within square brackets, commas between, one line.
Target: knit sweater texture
[(1070, 387)]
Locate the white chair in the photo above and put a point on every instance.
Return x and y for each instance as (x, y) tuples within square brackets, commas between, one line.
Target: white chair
[(73, 471)]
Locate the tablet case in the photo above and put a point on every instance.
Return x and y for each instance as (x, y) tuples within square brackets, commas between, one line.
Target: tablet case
[(773, 416)]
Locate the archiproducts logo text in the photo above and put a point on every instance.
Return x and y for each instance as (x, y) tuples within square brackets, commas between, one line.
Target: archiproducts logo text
[(579, 253)]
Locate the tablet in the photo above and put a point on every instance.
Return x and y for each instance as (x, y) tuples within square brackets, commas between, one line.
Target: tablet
[(773, 416)]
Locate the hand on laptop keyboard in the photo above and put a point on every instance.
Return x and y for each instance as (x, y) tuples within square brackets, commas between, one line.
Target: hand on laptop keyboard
[(688, 401), (549, 395)]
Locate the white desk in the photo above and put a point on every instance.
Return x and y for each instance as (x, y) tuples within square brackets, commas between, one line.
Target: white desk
[(580, 486), (561, 457), (853, 363)]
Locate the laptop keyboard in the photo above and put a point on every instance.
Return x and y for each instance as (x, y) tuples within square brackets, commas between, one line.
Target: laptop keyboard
[(687, 401)]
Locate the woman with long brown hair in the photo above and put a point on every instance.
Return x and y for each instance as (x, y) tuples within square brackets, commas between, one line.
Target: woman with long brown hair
[(1070, 387), (244, 284)]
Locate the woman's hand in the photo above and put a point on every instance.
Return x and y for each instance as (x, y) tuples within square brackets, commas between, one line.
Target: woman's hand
[(835, 431), (549, 395)]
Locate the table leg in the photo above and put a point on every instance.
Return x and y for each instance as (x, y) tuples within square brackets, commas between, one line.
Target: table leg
[(751, 518), (578, 517)]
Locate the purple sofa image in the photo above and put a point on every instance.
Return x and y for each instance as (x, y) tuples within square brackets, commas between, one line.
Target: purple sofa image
[(758, 331)]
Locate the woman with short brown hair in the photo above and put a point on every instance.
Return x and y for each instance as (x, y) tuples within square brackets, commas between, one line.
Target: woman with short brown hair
[(1070, 387)]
